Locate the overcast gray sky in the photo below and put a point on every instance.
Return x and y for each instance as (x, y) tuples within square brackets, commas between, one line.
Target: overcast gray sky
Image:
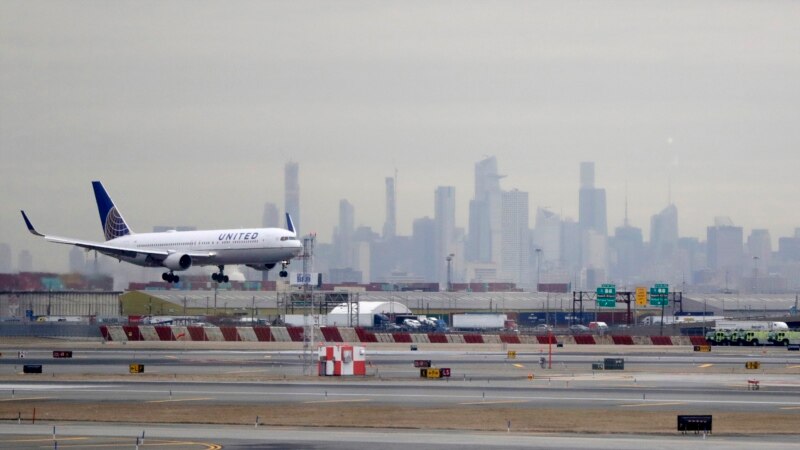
[(188, 111)]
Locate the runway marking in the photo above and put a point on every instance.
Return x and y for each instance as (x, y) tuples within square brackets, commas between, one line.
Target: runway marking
[(793, 367), (18, 399), (518, 365), (246, 371), (494, 402), (705, 366), (340, 401), (790, 407), (180, 400), (151, 443), (652, 404), (48, 439)]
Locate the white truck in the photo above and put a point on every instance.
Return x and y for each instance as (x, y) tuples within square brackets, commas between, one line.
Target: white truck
[(479, 321), (750, 325)]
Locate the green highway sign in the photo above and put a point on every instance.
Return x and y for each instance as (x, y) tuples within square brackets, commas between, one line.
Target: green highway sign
[(659, 295), (607, 296)]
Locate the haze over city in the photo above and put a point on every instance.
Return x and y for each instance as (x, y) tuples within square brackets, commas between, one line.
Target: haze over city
[(189, 111)]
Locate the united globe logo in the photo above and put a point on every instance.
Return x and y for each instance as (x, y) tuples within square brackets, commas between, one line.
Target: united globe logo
[(115, 225)]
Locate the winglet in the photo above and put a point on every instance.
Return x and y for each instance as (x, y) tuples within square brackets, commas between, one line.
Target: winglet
[(29, 224), (289, 223)]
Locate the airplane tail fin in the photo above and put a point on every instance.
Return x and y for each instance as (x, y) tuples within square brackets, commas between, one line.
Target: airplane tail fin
[(114, 225), (290, 224)]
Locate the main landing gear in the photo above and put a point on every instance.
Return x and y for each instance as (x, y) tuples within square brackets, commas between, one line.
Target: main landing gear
[(170, 277), (220, 277)]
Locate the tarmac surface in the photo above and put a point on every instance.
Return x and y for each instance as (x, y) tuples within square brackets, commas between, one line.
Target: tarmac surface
[(226, 386)]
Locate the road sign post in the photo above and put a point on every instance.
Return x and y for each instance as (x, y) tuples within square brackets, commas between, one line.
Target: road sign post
[(659, 295), (607, 296)]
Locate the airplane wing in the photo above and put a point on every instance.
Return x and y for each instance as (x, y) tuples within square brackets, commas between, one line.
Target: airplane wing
[(114, 250)]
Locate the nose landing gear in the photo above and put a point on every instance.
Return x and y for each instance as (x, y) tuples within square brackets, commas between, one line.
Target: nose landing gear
[(283, 273)]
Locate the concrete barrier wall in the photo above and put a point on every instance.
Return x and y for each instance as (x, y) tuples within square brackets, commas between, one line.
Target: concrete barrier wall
[(120, 333), (280, 334), (247, 334), (149, 333), (348, 334)]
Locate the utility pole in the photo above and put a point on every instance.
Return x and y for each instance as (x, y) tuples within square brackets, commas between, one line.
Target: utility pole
[(311, 319), (449, 259)]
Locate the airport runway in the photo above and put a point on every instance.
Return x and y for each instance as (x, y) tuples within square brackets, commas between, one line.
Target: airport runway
[(654, 381), (182, 437)]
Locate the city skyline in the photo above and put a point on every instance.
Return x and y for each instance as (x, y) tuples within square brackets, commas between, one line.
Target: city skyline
[(189, 115)]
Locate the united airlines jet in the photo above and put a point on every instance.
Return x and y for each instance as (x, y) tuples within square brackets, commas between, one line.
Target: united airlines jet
[(259, 248)]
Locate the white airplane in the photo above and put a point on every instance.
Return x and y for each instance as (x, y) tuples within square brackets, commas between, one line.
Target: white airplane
[(259, 248)]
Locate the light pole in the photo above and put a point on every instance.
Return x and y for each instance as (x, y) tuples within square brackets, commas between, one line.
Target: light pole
[(449, 259)]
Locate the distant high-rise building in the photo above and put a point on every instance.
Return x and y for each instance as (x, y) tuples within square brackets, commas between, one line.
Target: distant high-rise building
[(25, 262), (445, 220), (292, 193), (570, 248), (628, 248), (664, 233), (547, 237), (424, 252), (6, 263), (591, 202), (789, 247), (271, 217), (725, 247), (343, 235), (759, 247), (484, 239), (515, 259), (390, 225)]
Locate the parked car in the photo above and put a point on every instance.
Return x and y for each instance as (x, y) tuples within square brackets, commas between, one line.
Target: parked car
[(579, 329)]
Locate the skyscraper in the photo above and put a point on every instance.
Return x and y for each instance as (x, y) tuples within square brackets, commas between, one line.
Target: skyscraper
[(515, 248), (593, 227), (292, 193), (445, 223), (759, 247), (664, 233), (423, 240), (547, 237), (390, 225), (725, 247), (485, 214), (591, 202), (271, 216), (628, 247), (343, 235)]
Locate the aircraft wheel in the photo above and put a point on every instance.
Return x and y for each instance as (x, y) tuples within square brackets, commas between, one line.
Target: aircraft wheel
[(225, 279), (165, 276), (176, 278), (284, 274)]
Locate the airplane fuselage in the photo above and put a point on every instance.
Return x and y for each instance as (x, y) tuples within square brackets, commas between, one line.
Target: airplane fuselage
[(241, 246)]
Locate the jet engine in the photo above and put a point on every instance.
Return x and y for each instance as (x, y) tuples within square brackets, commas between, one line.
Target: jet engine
[(177, 261)]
